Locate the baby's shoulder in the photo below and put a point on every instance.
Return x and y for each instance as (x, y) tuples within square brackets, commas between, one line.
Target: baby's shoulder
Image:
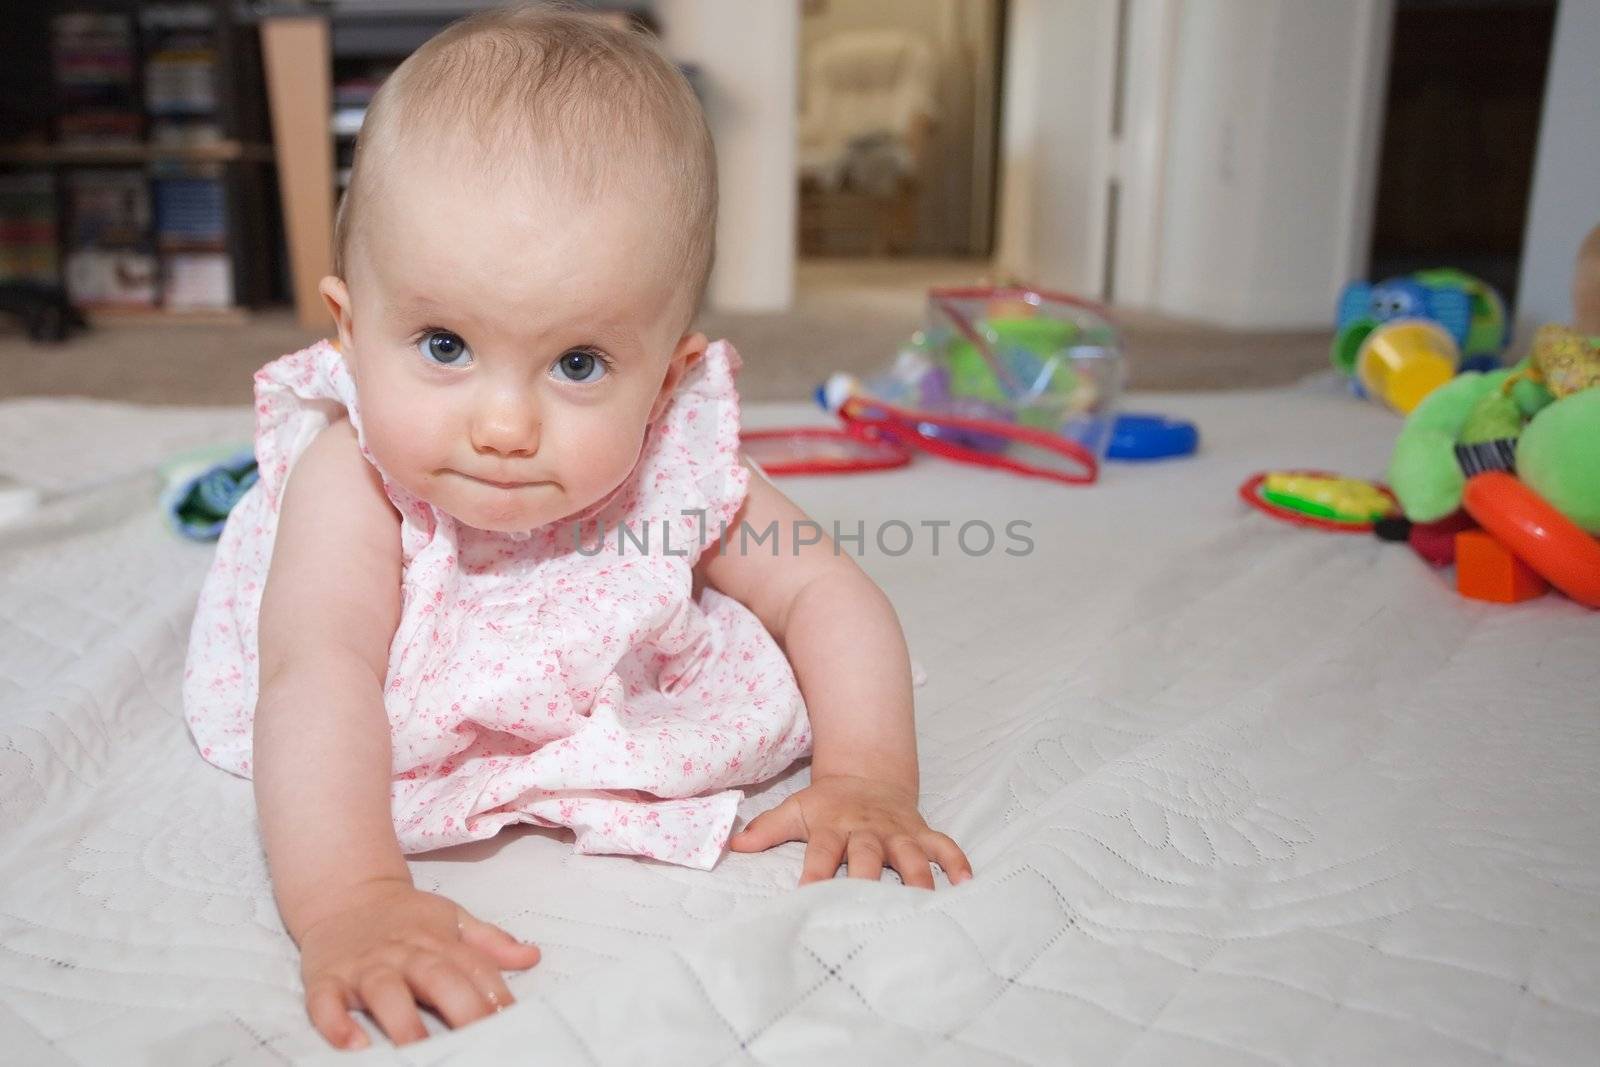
[(333, 475), (334, 446)]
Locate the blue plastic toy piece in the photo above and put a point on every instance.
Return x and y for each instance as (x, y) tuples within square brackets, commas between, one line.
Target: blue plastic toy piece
[(1146, 437)]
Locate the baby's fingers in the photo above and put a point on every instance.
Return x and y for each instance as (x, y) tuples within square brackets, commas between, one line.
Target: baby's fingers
[(907, 857), (485, 978), (506, 951), (948, 855), (444, 986), (328, 1005), (388, 999), (866, 856), (824, 851), (772, 827)]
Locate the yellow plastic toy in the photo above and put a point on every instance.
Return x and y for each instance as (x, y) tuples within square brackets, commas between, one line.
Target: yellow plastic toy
[(1403, 361)]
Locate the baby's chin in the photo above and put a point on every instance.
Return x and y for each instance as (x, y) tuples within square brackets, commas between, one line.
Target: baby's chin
[(513, 515)]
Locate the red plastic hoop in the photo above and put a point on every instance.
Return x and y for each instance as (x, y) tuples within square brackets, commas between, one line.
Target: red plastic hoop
[(884, 421), (871, 454)]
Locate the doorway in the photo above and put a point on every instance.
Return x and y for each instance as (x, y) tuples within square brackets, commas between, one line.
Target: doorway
[(1460, 128), (898, 128)]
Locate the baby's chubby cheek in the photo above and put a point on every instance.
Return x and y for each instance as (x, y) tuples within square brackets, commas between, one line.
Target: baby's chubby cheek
[(404, 454)]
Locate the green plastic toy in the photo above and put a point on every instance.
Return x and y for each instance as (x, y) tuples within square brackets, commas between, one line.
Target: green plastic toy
[(1545, 412)]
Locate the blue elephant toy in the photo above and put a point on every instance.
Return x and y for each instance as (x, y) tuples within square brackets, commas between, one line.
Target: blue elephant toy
[(1468, 308)]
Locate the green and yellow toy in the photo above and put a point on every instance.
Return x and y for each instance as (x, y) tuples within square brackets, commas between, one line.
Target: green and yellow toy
[(1540, 419)]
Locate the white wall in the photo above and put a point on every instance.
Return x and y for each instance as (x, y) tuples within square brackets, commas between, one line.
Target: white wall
[(1055, 144), (1565, 202), (747, 54), (1270, 162)]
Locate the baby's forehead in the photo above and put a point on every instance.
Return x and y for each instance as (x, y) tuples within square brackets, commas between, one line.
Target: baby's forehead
[(467, 174), (453, 210), (487, 245)]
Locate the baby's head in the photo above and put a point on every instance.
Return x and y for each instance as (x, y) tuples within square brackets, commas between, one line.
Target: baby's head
[(524, 243)]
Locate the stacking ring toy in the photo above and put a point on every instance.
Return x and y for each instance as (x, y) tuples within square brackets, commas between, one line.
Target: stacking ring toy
[(1539, 535)]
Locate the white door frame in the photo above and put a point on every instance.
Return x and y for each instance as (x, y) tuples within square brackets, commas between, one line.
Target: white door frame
[(1139, 159)]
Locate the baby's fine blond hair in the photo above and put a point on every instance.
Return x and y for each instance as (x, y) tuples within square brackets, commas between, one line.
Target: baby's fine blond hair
[(574, 102)]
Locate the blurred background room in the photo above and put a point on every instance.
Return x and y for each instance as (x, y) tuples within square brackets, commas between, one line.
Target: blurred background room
[(1215, 171)]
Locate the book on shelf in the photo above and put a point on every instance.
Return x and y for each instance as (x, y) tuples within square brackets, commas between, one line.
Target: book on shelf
[(190, 208), (357, 92), (181, 74), (28, 235), (353, 93), (112, 277), (92, 56), (181, 79), (98, 129), (107, 207), (193, 281), (193, 15), (186, 133), (191, 231), (111, 261)]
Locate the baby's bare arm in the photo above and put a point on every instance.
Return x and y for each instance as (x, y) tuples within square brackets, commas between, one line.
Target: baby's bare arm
[(839, 631), (844, 641), (367, 937), (328, 613)]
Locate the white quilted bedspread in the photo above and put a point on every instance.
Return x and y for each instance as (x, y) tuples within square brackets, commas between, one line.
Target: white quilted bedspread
[(1236, 793)]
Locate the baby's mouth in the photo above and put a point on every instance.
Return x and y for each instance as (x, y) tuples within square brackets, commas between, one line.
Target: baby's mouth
[(497, 484)]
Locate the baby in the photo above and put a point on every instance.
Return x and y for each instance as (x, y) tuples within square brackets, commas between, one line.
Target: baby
[(433, 629)]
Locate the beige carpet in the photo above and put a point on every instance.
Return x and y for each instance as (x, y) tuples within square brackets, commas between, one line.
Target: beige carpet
[(848, 315)]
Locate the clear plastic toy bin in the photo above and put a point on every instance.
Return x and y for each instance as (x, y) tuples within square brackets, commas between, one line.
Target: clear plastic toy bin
[(1019, 356)]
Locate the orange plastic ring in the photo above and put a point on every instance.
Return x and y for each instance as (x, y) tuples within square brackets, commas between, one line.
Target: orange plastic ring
[(1538, 534)]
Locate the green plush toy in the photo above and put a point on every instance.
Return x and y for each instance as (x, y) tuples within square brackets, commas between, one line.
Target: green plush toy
[(1545, 412)]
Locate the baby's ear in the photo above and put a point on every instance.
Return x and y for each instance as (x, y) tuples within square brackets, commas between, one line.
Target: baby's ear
[(691, 346), (337, 296)]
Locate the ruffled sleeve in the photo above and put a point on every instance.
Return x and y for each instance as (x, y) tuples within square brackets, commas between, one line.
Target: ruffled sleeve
[(692, 462), (296, 398)]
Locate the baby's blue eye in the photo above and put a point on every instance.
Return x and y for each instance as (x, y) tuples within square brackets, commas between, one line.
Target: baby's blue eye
[(444, 348), (580, 365)]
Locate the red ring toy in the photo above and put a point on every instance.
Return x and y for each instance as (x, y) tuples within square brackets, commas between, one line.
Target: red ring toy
[(819, 450), (1536, 533), (1250, 493)]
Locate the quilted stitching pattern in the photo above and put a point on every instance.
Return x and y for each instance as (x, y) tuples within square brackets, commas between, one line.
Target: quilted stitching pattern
[(1236, 794)]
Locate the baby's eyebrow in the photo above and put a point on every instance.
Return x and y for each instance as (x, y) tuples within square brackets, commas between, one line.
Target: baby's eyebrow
[(417, 304)]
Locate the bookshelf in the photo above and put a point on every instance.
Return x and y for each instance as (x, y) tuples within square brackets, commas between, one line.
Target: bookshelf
[(138, 174)]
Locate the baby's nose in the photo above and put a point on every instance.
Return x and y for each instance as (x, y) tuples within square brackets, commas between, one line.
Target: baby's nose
[(507, 422)]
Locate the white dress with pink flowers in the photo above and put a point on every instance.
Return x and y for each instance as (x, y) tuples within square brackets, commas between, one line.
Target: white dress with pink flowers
[(562, 677)]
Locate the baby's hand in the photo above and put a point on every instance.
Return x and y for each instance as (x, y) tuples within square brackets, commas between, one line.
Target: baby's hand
[(868, 822), (390, 947)]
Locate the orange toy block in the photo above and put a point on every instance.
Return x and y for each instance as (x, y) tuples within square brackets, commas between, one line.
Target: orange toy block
[(1486, 570)]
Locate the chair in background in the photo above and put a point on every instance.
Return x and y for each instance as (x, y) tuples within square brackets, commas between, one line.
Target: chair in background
[(866, 124)]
